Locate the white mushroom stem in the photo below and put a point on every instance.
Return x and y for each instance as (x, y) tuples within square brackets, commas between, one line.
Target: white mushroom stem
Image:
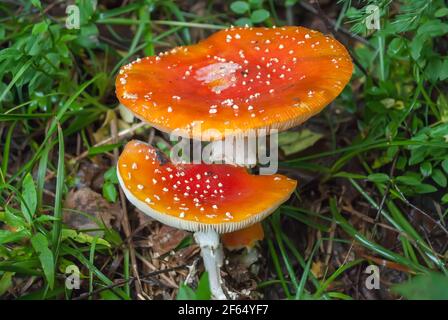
[(242, 152), (211, 248), (212, 254)]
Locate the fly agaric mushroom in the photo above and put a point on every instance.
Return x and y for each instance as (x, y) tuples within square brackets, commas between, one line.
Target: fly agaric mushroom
[(244, 238), (208, 199), (238, 79)]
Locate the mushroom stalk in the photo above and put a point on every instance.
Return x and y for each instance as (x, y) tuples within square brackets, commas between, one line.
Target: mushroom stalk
[(224, 152), (212, 254)]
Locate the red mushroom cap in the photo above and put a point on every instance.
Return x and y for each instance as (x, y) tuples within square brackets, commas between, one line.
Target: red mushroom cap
[(196, 197), (237, 79)]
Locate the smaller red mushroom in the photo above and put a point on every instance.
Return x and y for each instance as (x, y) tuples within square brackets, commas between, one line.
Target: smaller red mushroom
[(207, 199)]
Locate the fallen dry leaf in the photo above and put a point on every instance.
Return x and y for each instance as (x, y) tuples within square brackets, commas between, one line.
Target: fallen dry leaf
[(93, 205), (166, 239), (317, 269)]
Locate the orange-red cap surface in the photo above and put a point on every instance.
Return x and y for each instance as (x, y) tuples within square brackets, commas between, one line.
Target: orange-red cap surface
[(198, 196), (237, 79)]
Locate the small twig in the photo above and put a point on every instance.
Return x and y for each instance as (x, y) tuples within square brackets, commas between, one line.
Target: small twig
[(168, 281), (191, 271), (332, 23), (130, 280), (121, 135), (350, 210), (406, 201), (383, 200)]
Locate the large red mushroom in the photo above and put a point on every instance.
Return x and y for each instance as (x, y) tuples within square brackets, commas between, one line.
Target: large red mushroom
[(238, 79)]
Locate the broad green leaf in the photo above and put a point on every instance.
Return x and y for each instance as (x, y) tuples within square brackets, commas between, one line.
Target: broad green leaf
[(417, 155), (243, 22), (14, 220), (5, 282), (408, 180), (295, 141), (7, 236), (443, 73), (40, 27), (426, 169), (424, 188), (203, 290), (36, 3), (104, 148), (109, 295), (201, 293), (259, 15), (29, 194), (81, 237), (45, 218), (395, 47), (442, 12), (110, 192), (378, 177), (40, 245), (445, 198), (239, 7), (255, 3), (111, 175), (431, 286), (185, 293), (445, 165), (439, 178)]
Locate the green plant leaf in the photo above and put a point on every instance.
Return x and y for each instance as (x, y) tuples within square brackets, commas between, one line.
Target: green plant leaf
[(82, 237), (445, 165), (442, 12), (243, 22), (7, 236), (255, 3), (40, 27), (432, 286), (439, 178), (259, 15), (378, 177), (185, 293), (445, 198), (36, 3), (110, 192), (295, 141), (104, 148), (29, 194), (5, 282), (408, 180), (426, 169), (201, 293), (40, 245), (239, 7), (111, 175), (14, 220), (424, 188), (203, 290)]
